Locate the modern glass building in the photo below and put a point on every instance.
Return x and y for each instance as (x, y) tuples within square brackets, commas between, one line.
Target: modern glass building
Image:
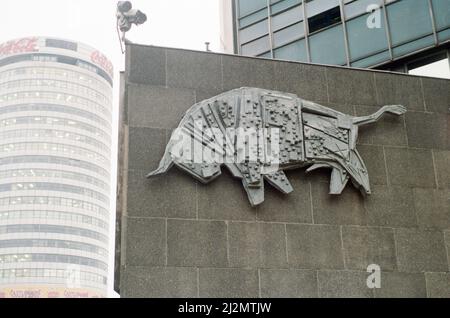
[(396, 35), (55, 153)]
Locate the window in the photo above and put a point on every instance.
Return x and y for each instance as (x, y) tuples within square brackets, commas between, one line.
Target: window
[(409, 20), (292, 52), (61, 44), (364, 41), (288, 34), (287, 18), (324, 19), (327, 47), (246, 7), (256, 47), (255, 31)]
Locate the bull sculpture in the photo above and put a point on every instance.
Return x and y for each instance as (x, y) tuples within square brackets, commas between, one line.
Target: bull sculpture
[(288, 133)]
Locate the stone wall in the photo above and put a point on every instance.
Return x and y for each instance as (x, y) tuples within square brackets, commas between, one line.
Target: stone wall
[(180, 238)]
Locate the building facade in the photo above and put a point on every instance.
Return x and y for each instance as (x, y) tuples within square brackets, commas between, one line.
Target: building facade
[(180, 238), (399, 35), (55, 159)]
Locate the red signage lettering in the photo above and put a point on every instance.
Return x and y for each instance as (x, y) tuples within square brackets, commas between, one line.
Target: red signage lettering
[(102, 61), (24, 45)]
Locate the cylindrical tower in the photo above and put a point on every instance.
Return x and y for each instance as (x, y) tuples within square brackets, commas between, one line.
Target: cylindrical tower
[(55, 166)]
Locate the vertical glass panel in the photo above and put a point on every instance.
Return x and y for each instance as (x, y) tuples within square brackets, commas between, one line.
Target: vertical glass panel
[(409, 20), (441, 10), (254, 17), (288, 34), (327, 47), (324, 19), (444, 36), (373, 60), (362, 40), (248, 6), (413, 46), (256, 47), (286, 18), (278, 6), (254, 31), (359, 7), (292, 52)]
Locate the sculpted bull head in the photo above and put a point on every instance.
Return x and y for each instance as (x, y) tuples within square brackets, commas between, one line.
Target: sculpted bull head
[(257, 134)]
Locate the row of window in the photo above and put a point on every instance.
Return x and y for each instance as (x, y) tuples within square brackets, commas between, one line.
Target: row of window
[(52, 258), (366, 34), (37, 147), (57, 59), (54, 202), (53, 215), (55, 73), (8, 274), (47, 243), (53, 133), (44, 83), (58, 97), (54, 121), (55, 108), (49, 173), (58, 229), (56, 187)]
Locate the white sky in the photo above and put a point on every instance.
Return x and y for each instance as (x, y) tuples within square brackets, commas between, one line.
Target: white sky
[(175, 23)]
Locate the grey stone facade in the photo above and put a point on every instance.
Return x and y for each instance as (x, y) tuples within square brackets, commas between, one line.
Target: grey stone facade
[(179, 238)]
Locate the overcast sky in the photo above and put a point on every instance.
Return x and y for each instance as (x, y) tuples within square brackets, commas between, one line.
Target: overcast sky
[(175, 23)]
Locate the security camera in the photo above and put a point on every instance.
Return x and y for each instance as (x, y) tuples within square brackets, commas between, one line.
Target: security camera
[(124, 6), (126, 17)]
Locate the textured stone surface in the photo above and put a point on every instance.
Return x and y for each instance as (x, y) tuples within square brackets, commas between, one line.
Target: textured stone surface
[(185, 239), (438, 285), (437, 95), (146, 147), (373, 156), (410, 167), (173, 195), (388, 131), (228, 283), (194, 70), (347, 208), (442, 166), (196, 243), (308, 81), (401, 285), (157, 107), (432, 208), (146, 65), (288, 283), (399, 89), (427, 130), (158, 282), (366, 246), (291, 208), (421, 250), (243, 71), (391, 206), (146, 242), (314, 247), (257, 245), (351, 86), (348, 284)]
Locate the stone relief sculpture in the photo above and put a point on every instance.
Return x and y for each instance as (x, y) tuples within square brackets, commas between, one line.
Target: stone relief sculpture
[(257, 134)]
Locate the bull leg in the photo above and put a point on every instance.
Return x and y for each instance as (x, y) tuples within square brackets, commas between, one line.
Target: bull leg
[(338, 181), (280, 182), (255, 193), (392, 109)]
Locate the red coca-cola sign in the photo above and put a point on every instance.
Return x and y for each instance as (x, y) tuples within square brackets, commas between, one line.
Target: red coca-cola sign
[(102, 61), (24, 45)]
